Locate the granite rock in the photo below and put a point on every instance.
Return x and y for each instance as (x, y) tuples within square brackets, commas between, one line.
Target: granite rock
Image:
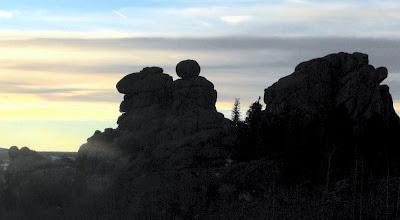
[(188, 69)]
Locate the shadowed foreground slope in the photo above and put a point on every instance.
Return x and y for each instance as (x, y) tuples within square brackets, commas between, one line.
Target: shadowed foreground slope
[(323, 148)]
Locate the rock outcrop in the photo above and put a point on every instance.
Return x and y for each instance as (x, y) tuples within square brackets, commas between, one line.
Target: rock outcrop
[(157, 109), (337, 81), (188, 69), (168, 137), (165, 125), (24, 157), (334, 105)]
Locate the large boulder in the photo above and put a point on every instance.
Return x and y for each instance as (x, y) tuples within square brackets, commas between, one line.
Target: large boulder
[(132, 83), (194, 93), (149, 87), (188, 69)]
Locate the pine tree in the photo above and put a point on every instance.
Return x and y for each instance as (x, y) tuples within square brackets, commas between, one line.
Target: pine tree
[(254, 112), (236, 112)]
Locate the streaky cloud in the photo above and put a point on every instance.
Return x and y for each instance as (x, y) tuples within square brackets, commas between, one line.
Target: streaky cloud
[(230, 61)]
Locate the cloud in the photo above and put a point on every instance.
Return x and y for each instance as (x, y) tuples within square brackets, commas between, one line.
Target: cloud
[(60, 94), (260, 18), (239, 66), (258, 51), (235, 42), (297, 1), (119, 14), (394, 85), (63, 63), (73, 78), (72, 67), (6, 14), (235, 19)]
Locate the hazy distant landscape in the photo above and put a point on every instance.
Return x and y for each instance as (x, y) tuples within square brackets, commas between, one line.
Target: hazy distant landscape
[(50, 155), (3, 153)]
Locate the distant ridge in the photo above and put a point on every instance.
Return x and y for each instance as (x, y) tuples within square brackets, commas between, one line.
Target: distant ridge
[(47, 154), (3, 153)]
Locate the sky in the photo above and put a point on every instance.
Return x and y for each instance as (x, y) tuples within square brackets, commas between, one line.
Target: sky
[(60, 60)]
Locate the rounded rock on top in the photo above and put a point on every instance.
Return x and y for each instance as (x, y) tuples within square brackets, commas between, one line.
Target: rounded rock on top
[(188, 69)]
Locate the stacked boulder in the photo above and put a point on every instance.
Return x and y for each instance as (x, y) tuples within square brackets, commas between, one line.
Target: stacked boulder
[(168, 136), (157, 110), (146, 94), (194, 97), (164, 125), (192, 91), (192, 123)]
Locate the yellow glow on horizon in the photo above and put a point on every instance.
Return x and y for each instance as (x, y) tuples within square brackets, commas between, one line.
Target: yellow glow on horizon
[(44, 139), (68, 71), (397, 107), (30, 69), (31, 107), (42, 55), (224, 106)]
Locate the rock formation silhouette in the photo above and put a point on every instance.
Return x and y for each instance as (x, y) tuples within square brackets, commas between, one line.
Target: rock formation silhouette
[(171, 144), (159, 113), (167, 129), (323, 144), (187, 69), (336, 81), (334, 105)]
